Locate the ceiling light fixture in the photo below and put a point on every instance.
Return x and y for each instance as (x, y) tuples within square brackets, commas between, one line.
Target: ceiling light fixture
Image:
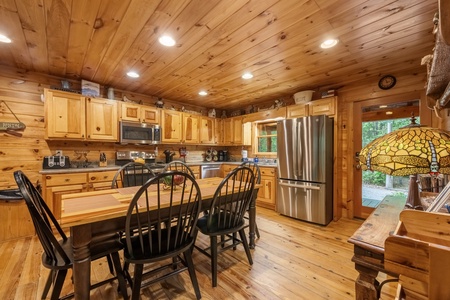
[(133, 74), (4, 39), (247, 75), (202, 93), (167, 41), (329, 43)]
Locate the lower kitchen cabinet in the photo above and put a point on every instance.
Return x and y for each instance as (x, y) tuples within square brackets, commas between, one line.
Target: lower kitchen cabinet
[(55, 185), (267, 191), (196, 170)]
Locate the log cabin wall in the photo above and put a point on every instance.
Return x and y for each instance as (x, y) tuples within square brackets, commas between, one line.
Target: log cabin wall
[(26, 152)]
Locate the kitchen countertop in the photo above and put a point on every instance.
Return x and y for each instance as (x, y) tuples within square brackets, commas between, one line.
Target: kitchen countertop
[(115, 167)]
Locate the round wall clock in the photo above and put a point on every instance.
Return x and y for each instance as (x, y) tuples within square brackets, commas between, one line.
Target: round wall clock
[(387, 82)]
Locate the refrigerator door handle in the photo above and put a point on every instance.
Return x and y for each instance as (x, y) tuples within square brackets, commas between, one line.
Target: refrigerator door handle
[(298, 186)]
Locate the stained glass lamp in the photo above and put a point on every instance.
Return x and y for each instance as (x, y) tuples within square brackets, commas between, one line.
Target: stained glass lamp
[(410, 150)]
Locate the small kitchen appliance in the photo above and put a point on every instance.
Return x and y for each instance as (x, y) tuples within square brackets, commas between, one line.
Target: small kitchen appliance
[(169, 155)]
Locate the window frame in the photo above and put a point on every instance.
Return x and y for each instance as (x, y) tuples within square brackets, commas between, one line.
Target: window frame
[(255, 144)]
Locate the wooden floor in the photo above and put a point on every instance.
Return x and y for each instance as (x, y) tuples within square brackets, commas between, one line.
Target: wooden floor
[(292, 260)]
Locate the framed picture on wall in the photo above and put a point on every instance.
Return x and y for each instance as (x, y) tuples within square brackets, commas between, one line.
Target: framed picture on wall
[(89, 88)]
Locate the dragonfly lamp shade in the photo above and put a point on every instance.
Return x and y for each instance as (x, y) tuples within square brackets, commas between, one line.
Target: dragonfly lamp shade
[(410, 150)]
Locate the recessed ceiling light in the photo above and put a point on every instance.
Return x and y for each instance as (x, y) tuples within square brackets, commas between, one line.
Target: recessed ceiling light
[(167, 41), (329, 43), (247, 75), (133, 74), (383, 106), (4, 39), (202, 93), (389, 112)]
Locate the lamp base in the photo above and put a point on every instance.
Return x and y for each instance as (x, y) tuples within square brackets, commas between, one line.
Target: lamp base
[(413, 199)]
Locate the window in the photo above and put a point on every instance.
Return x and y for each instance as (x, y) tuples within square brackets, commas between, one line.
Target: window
[(266, 138)]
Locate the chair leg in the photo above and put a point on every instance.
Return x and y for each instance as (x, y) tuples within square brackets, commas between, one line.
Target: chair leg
[(246, 247), (135, 293), (110, 264), (214, 260), (120, 274), (234, 241), (191, 269), (48, 283), (126, 273), (58, 284), (257, 231)]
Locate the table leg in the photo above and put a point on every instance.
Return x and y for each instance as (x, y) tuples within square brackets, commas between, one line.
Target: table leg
[(366, 284), (81, 238), (252, 223)]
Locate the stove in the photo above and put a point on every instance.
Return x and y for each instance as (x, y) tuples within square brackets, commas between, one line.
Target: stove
[(124, 157)]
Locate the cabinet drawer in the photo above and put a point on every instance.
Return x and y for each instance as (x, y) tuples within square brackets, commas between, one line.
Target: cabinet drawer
[(65, 179), (267, 171), (106, 176)]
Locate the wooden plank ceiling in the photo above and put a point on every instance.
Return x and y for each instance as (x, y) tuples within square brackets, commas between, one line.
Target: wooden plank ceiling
[(217, 41)]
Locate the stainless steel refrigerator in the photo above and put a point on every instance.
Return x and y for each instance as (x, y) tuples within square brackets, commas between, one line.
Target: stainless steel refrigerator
[(305, 168)]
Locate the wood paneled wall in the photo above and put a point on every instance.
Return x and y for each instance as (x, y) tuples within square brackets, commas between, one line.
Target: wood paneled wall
[(26, 152)]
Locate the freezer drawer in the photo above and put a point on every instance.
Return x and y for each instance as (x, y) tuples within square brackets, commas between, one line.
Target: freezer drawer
[(305, 201)]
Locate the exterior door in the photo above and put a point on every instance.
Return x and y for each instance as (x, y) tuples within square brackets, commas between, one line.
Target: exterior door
[(376, 115)]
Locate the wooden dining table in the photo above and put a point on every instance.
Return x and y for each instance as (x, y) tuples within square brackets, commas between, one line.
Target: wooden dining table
[(99, 213)]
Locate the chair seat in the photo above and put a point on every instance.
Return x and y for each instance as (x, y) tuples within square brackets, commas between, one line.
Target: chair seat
[(154, 251), (98, 249), (214, 228)]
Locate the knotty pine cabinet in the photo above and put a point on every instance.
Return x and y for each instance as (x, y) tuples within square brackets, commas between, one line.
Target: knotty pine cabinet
[(171, 121), (209, 130), (139, 113), (55, 185), (190, 129), (326, 106), (267, 192), (75, 117), (235, 132)]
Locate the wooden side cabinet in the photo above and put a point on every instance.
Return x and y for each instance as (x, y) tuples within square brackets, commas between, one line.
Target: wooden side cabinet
[(267, 192)]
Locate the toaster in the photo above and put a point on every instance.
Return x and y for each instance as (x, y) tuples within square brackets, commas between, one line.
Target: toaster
[(56, 162)]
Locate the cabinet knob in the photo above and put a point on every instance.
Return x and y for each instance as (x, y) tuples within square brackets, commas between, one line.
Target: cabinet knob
[(48, 177), (67, 180), (92, 178)]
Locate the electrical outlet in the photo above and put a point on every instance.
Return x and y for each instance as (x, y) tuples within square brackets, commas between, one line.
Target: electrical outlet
[(59, 153)]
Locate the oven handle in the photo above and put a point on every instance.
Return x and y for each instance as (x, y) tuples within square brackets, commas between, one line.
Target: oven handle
[(300, 186)]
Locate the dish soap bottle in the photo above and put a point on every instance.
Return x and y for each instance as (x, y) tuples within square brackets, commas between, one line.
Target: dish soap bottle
[(256, 159)]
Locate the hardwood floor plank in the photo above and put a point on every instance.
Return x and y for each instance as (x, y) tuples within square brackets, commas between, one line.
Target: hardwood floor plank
[(292, 260)]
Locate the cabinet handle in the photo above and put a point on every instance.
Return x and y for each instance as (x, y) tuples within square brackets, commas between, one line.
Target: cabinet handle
[(67, 180), (48, 177), (93, 178), (105, 177)]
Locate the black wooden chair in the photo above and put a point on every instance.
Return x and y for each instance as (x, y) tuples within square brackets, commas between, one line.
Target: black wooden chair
[(255, 168), (225, 216), (57, 254), (161, 226), (179, 166), (132, 174)]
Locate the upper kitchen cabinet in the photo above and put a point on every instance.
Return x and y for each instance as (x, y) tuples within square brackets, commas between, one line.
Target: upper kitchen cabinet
[(296, 111), (277, 113), (101, 119), (209, 129), (326, 106), (139, 113), (191, 129), (235, 132), (171, 121), (67, 114)]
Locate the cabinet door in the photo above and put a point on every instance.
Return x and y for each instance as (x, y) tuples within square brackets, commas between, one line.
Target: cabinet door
[(238, 136), (105, 176), (102, 119), (267, 191), (322, 107), (64, 115), (225, 168), (130, 112), (297, 111), (207, 130), (150, 115), (191, 129), (171, 126), (228, 131)]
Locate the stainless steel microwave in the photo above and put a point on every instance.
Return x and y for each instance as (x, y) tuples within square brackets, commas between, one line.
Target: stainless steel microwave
[(139, 133)]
